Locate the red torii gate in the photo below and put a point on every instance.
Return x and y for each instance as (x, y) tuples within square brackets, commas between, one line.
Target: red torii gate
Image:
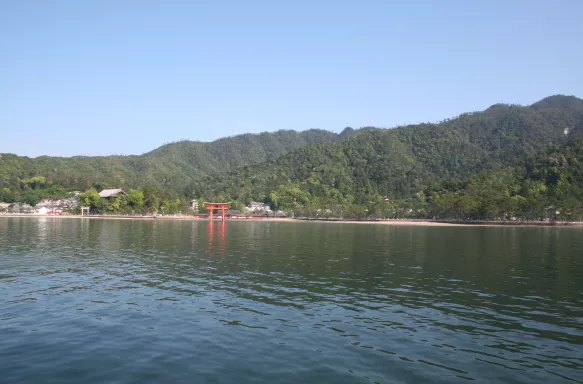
[(217, 206)]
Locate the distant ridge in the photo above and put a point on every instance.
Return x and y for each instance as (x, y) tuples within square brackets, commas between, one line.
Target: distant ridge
[(403, 162), (412, 155), (559, 102), (171, 166)]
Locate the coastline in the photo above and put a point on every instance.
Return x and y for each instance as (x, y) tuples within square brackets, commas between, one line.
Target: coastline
[(414, 222), (150, 217), (454, 223)]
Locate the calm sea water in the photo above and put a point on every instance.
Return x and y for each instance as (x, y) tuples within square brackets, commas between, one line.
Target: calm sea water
[(95, 301)]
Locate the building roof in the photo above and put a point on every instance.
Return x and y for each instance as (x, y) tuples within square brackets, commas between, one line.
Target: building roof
[(110, 192), (216, 203)]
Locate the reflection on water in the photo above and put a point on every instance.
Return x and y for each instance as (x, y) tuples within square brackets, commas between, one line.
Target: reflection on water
[(220, 247), (172, 301)]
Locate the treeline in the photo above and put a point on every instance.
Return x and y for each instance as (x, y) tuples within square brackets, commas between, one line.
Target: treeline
[(32, 190), (145, 200), (171, 167), (550, 186)]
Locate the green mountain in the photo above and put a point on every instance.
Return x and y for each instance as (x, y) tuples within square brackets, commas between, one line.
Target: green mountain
[(404, 161), (172, 166), (548, 186), (480, 165)]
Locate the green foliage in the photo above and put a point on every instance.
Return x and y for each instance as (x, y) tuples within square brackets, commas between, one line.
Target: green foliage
[(135, 200), (507, 162), (91, 199), (171, 167), (201, 205), (31, 191), (7, 195), (488, 165)]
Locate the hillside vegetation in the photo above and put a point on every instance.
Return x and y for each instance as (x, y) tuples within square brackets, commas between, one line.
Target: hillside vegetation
[(171, 166), (403, 162), (508, 161)]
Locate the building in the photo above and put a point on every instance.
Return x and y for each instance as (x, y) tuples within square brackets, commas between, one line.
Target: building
[(257, 207), (68, 203), (194, 205), (111, 193)]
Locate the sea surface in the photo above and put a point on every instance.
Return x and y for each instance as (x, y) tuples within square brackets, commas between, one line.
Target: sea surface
[(130, 301)]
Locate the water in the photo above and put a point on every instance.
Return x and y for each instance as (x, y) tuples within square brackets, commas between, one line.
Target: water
[(97, 301)]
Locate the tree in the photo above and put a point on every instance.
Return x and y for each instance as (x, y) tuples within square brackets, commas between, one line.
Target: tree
[(135, 200), (6, 195), (91, 199), (151, 198)]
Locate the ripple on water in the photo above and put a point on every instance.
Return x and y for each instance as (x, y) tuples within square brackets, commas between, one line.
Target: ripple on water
[(134, 301)]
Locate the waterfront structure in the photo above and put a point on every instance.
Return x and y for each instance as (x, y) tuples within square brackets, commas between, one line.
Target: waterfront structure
[(211, 207)]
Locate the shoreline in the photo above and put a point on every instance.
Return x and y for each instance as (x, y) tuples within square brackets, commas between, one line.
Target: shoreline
[(414, 222), (149, 217), (455, 223)]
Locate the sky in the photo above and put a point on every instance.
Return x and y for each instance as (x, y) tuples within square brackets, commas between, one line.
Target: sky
[(126, 76)]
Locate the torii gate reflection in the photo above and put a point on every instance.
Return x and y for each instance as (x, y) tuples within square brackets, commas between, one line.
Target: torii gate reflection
[(222, 246)]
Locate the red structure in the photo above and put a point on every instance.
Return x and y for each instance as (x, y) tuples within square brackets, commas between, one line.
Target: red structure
[(211, 207)]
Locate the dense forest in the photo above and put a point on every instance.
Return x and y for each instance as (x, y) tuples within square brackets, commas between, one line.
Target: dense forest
[(507, 162), (411, 166), (171, 166)]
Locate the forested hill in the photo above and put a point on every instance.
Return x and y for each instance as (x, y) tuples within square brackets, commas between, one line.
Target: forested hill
[(288, 168), (404, 161), (171, 166)]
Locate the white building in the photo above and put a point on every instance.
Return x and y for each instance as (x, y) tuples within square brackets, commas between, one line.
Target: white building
[(254, 206)]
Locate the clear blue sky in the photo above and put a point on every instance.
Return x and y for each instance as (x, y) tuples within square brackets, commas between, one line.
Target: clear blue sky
[(123, 77)]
